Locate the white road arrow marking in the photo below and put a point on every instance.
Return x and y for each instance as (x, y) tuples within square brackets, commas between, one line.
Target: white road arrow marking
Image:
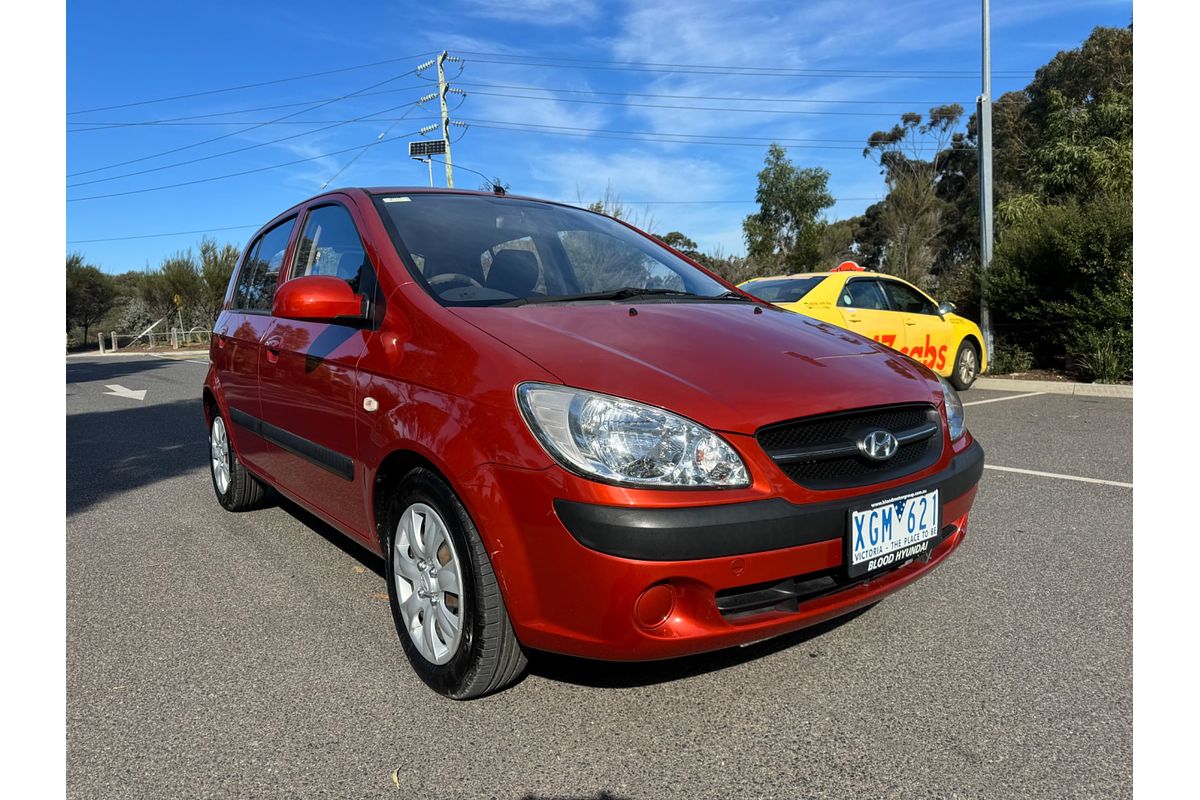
[(120, 391)]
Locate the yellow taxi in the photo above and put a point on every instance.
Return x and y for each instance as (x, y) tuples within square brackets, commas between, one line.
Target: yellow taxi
[(886, 309)]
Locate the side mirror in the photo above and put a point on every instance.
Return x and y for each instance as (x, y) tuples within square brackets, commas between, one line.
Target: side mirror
[(945, 308), (318, 297)]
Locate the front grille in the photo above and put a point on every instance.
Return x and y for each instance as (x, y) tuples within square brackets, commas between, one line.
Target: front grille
[(822, 453)]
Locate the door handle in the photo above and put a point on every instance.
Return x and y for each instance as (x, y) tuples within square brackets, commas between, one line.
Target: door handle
[(910, 323), (272, 346)]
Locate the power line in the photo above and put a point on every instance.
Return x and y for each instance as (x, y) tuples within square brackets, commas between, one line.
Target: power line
[(659, 136), (214, 123), (253, 127), (161, 235), (890, 114), (223, 177), (235, 150), (102, 125), (249, 85), (743, 71), (105, 125), (564, 202), (882, 71), (362, 152), (711, 97)]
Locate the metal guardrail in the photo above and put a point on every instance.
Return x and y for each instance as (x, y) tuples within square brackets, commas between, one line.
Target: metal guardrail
[(171, 339)]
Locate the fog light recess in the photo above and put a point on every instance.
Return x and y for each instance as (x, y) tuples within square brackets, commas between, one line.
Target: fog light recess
[(654, 606)]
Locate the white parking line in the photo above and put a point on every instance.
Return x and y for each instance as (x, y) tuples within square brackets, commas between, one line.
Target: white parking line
[(188, 360), (1002, 399), (1056, 475)]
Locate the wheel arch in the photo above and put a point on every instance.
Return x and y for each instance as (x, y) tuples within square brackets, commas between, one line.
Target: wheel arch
[(979, 350), (391, 471), (211, 406)]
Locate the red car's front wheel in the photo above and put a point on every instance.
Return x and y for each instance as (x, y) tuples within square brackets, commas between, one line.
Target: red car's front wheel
[(445, 598)]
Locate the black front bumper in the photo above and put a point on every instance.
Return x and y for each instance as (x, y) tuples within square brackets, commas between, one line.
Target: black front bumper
[(684, 534)]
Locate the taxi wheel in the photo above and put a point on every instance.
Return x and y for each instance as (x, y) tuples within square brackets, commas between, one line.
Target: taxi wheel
[(966, 367)]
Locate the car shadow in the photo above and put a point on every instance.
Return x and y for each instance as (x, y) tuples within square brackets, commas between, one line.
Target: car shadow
[(331, 534), (629, 674), (99, 371), (117, 451)]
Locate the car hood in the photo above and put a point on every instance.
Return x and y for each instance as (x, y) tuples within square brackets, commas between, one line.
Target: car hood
[(720, 364)]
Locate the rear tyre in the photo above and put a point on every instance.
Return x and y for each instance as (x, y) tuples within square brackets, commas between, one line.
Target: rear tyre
[(237, 489), (966, 366), (445, 598)]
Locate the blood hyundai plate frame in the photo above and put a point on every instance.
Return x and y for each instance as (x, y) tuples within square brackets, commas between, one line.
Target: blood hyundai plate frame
[(912, 545)]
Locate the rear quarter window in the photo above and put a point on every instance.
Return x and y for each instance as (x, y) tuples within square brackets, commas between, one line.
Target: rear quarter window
[(259, 277), (786, 290)]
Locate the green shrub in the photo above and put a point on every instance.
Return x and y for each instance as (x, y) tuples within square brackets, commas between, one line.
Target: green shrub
[(1104, 356), (1063, 275), (1008, 358)]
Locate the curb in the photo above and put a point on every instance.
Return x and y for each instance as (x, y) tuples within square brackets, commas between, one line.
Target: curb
[(1056, 387), (176, 355)]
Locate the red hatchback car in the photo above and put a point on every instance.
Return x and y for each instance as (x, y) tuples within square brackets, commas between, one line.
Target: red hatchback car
[(562, 435)]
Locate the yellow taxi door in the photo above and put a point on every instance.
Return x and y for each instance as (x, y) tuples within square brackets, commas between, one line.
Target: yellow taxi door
[(865, 310), (927, 336)]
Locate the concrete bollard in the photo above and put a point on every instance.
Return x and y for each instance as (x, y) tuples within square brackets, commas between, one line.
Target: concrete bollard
[(100, 339), (113, 341)]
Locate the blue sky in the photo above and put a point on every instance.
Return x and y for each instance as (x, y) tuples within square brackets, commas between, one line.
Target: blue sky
[(125, 52)]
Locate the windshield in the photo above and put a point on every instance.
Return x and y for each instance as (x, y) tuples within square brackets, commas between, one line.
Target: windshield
[(782, 290), (481, 250)]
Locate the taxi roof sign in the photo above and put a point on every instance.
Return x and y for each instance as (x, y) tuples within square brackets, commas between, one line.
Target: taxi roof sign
[(848, 266)]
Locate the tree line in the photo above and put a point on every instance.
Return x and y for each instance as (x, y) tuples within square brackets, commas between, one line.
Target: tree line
[(188, 289)]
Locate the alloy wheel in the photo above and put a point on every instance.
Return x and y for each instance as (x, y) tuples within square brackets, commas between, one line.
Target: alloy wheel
[(967, 366), (429, 583), (219, 447)]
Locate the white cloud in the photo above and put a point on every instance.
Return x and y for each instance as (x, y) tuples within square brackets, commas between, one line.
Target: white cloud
[(635, 174), (536, 12)]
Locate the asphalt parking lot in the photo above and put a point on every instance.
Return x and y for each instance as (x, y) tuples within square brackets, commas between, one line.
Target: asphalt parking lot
[(253, 655)]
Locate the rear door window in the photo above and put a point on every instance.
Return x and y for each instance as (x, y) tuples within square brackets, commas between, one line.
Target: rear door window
[(907, 299), (260, 272), (864, 294)]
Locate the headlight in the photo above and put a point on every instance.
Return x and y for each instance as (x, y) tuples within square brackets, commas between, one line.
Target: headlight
[(621, 441), (954, 410)]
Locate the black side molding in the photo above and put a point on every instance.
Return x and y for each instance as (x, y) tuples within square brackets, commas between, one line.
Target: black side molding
[(684, 534), (337, 463)]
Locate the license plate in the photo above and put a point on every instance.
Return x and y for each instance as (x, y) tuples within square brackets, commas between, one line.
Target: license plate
[(892, 531)]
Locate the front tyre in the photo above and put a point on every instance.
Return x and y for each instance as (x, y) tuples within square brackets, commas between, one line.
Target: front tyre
[(966, 366), (445, 599), (236, 488)]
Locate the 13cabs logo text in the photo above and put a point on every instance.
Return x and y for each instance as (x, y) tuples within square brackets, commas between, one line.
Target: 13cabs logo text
[(929, 355)]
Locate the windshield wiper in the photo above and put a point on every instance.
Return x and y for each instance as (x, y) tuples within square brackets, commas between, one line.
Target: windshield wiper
[(732, 295), (623, 293)]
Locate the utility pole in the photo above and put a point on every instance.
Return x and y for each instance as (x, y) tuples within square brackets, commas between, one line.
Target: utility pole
[(434, 147), (985, 179), (443, 88)]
